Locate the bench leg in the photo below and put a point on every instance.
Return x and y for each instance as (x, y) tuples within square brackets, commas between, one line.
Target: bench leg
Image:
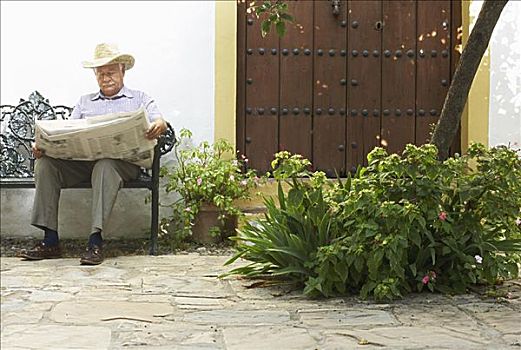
[(154, 221)]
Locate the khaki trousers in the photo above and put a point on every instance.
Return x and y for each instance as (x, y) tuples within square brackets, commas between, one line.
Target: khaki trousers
[(51, 175)]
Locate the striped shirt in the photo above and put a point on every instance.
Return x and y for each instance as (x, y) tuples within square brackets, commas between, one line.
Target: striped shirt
[(126, 100)]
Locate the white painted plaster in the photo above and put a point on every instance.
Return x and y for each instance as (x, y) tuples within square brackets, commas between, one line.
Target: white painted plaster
[(505, 78), (44, 42)]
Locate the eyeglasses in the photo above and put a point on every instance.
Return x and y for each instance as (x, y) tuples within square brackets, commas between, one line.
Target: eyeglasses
[(110, 75)]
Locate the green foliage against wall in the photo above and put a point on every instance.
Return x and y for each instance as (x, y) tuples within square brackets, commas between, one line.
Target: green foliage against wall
[(401, 224), (273, 14), (208, 174)]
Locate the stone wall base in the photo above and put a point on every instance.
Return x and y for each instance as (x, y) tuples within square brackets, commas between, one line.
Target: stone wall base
[(130, 216)]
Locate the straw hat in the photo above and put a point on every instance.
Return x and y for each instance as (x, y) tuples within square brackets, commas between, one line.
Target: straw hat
[(109, 54)]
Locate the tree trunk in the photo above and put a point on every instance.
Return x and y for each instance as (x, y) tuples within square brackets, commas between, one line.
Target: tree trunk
[(473, 51)]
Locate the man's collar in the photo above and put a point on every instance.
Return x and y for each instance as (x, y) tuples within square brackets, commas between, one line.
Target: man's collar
[(124, 92)]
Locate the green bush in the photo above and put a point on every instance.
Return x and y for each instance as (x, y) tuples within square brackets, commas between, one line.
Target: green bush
[(206, 174), (284, 243), (401, 224)]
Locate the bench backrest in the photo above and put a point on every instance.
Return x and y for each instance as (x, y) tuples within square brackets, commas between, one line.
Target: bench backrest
[(17, 134)]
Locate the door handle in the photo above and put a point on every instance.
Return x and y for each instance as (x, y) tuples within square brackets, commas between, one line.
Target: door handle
[(335, 4)]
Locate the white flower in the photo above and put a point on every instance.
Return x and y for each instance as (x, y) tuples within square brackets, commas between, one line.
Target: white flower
[(478, 258)]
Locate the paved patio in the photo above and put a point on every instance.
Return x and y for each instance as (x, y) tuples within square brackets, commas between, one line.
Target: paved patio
[(176, 302)]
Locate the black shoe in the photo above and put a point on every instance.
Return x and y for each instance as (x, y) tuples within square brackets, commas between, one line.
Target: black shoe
[(93, 256), (41, 251)]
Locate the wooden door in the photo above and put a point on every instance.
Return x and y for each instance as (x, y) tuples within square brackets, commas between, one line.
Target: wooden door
[(336, 86)]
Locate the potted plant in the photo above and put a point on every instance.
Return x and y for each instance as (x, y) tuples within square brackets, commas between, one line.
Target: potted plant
[(208, 179)]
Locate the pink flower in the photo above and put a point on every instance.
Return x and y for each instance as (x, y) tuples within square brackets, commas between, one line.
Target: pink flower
[(478, 259), (518, 221), (245, 160), (432, 274), (243, 156), (442, 216), (199, 181), (188, 209), (244, 182), (425, 279)]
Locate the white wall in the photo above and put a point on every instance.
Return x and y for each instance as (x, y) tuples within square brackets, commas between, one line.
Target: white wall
[(44, 42), (42, 46), (505, 78)]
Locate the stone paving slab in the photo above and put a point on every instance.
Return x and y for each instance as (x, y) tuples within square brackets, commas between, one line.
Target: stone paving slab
[(257, 338), (177, 302), (46, 336), (404, 337), (345, 317)]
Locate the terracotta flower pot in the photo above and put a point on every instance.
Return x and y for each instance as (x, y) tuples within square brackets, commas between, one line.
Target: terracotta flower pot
[(208, 218)]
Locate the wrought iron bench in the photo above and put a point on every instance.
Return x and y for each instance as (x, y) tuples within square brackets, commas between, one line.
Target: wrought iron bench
[(17, 161)]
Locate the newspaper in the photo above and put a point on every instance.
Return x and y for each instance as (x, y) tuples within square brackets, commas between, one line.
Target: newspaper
[(117, 136)]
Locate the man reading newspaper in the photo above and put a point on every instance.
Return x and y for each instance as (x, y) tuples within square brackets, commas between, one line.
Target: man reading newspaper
[(116, 136), (106, 175)]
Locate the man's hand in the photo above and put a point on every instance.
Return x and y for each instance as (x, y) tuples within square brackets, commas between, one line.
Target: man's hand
[(156, 129), (37, 153)]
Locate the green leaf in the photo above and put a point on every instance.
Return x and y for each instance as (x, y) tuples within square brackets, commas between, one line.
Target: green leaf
[(367, 288), (281, 197), (290, 252), (340, 287), (290, 270), (286, 17), (413, 269), (433, 256), (507, 245), (445, 250), (513, 270), (374, 262), (313, 285), (265, 28), (472, 277), (359, 263), (295, 197), (341, 270), (280, 26), (415, 237), (430, 237)]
